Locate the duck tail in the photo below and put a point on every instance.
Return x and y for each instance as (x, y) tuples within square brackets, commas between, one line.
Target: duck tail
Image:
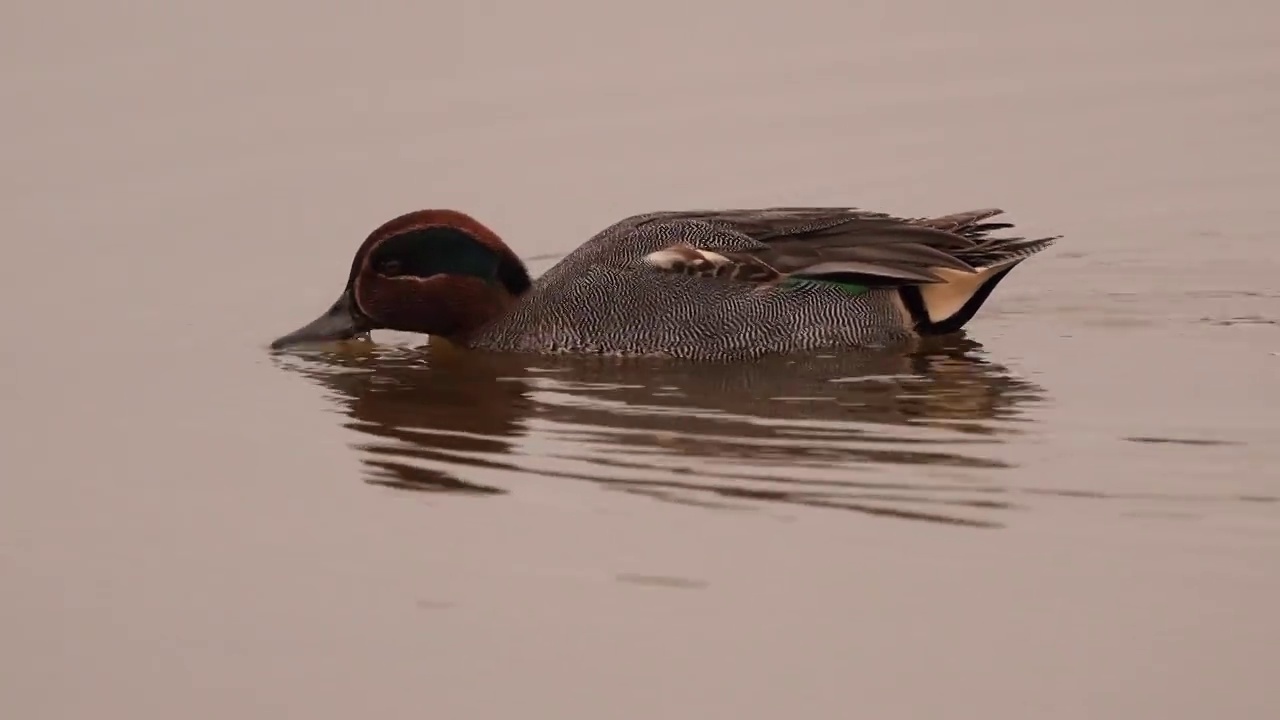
[(944, 307)]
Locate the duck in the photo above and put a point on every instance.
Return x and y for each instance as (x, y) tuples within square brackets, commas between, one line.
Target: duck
[(708, 285)]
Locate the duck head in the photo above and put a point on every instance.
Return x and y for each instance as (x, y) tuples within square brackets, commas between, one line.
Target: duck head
[(438, 272)]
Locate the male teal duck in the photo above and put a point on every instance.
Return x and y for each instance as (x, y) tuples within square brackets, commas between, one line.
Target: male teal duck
[(697, 284)]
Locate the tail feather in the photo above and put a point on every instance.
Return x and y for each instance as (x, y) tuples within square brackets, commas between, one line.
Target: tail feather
[(962, 221), (945, 307), (1000, 252)]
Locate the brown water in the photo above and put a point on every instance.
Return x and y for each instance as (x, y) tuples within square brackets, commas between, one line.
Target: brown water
[(1071, 512)]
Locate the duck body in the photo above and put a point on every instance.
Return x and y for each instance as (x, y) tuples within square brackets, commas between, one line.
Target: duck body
[(699, 284), (615, 295)]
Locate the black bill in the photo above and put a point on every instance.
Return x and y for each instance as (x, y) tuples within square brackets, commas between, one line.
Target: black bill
[(339, 322)]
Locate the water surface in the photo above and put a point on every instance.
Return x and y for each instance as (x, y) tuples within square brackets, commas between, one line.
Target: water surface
[(1070, 511)]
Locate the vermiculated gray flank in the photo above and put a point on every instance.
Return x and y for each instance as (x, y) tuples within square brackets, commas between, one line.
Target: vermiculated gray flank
[(841, 277)]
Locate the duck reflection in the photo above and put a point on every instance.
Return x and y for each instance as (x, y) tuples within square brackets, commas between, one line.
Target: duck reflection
[(911, 435)]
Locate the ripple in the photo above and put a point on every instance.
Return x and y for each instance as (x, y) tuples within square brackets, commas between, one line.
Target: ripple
[(833, 432)]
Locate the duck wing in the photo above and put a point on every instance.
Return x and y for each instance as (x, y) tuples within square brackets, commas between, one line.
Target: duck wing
[(847, 246)]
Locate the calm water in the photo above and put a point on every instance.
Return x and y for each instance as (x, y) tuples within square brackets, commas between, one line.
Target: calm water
[(1073, 511)]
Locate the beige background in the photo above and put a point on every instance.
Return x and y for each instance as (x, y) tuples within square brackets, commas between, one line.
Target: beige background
[(184, 530)]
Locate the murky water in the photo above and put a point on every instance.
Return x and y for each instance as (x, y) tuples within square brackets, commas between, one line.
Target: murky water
[(1072, 511)]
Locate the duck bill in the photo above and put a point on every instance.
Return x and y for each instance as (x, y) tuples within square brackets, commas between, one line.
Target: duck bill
[(339, 322)]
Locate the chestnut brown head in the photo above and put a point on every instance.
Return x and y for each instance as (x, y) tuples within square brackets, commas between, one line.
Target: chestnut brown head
[(438, 272)]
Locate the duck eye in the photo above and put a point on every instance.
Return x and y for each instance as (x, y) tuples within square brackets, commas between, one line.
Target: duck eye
[(389, 267)]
